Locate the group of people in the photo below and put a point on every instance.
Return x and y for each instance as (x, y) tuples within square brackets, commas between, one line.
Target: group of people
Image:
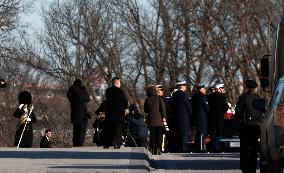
[(188, 119), (192, 119), (183, 116)]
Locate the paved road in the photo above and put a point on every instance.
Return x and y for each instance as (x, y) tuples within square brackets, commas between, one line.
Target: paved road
[(196, 163), (73, 160), (97, 159)]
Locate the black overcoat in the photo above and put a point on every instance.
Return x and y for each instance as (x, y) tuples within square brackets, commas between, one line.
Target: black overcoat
[(200, 111), (78, 97), (218, 107), (182, 112), (45, 142), (116, 103)]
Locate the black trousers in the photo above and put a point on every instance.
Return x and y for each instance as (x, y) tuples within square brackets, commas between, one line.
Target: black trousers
[(79, 132), (156, 138), (249, 135), (113, 133)]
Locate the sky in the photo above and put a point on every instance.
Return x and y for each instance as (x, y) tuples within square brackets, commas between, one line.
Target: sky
[(32, 17)]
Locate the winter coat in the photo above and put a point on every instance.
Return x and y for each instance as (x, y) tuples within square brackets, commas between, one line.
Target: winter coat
[(182, 112), (45, 142), (200, 111), (78, 97), (218, 107), (246, 113), (27, 138), (116, 103), (154, 106), (137, 126)]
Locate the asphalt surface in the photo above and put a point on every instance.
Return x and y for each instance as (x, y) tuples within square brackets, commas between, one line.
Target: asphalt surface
[(73, 160), (97, 159)]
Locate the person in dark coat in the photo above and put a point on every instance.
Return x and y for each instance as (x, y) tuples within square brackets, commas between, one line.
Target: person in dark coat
[(137, 127), (200, 113), (249, 117), (45, 141), (26, 116), (116, 105), (99, 125), (78, 97), (155, 108), (218, 107), (182, 113)]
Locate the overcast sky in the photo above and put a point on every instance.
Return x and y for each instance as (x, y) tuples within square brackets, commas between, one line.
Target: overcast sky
[(32, 17)]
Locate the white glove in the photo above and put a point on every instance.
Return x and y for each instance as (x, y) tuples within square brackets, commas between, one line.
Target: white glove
[(29, 119), (26, 110), (21, 105)]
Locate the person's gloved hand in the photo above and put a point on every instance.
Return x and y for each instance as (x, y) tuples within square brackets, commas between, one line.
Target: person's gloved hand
[(29, 119), (26, 110), (21, 105)]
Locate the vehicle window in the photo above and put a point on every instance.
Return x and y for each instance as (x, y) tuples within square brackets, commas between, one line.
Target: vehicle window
[(278, 96), (279, 116)]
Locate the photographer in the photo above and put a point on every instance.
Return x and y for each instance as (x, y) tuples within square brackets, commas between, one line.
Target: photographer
[(99, 125), (137, 127)]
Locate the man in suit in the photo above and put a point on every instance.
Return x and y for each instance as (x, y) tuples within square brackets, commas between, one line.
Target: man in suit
[(116, 103), (45, 141), (78, 97)]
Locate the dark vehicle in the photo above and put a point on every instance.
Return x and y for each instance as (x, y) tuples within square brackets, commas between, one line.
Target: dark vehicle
[(230, 140), (272, 133), (272, 125)]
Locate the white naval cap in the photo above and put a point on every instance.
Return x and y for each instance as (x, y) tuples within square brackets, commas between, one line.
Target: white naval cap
[(181, 83), (219, 85)]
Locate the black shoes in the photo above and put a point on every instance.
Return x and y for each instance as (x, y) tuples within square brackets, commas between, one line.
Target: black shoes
[(158, 152), (116, 147)]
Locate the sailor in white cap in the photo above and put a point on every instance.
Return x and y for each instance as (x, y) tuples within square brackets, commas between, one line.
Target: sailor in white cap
[(219, 88), (181, 83), (182, 114), (218, 107)]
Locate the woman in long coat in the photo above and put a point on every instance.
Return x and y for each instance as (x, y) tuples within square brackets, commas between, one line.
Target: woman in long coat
[(26, 117), (154, 106)]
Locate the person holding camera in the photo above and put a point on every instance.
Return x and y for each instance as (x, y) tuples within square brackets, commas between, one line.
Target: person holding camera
[(78, 97), (45, 141), (136, 127)]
